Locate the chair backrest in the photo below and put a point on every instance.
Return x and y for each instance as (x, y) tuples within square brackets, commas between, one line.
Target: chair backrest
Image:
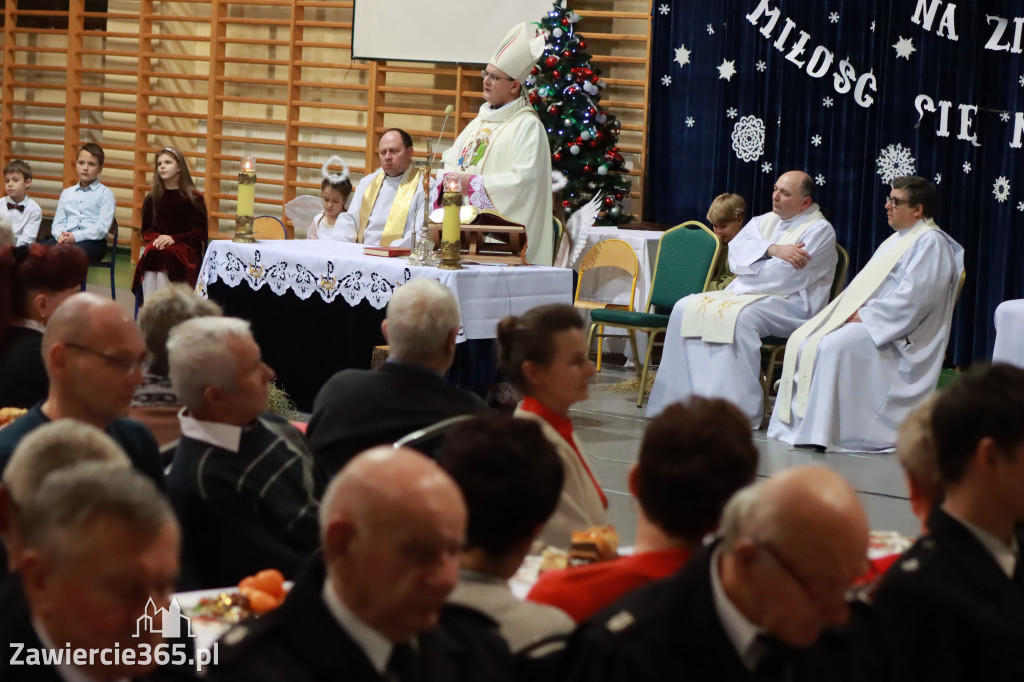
[(268, 227), (556, 233), (428, 439), (842, 267), (686, 257), (610, 253)]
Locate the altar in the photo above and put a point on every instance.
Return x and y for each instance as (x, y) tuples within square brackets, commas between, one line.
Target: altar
[(316, 306)]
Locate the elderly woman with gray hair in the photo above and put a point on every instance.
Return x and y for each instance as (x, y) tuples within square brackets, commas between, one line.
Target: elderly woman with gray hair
[(155, 403)]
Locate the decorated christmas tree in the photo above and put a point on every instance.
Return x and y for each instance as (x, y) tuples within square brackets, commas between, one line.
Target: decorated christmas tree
[(566, 92)]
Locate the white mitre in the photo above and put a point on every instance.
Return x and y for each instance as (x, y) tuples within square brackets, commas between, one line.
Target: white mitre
[(518, 51)]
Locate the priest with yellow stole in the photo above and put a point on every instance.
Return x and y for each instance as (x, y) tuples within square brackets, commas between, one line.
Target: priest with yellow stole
[(387, 206), (855, 371), (502, 157)]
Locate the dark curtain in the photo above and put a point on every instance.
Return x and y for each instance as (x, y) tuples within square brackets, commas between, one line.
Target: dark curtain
[(706, 128)]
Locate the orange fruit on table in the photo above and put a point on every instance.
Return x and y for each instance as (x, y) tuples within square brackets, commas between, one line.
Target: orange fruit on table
[(270, 581), (261, 602), (246, 582)]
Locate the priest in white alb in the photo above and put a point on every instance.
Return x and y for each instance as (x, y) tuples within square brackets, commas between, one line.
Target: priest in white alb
[(784, 262), (503, 157), (387, 205), (856, 370)]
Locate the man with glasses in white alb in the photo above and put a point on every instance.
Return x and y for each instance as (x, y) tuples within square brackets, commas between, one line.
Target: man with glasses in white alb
[(854, 372), (502, 158)]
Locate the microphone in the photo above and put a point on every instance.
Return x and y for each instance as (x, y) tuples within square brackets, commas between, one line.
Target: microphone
[(448, 111)]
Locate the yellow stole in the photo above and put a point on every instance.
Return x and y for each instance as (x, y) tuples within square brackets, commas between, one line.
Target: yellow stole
[(394, 228)]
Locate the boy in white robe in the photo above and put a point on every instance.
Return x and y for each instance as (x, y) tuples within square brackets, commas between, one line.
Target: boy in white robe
[(799, 275), (503, 158), (884, 359)]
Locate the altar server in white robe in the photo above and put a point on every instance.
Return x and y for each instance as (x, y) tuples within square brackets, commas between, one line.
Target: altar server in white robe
[(784, 263), (387, 206), (503, 157), (879, 345)]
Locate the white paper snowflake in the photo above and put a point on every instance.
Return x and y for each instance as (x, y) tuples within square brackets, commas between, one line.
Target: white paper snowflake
[(1001, 189), (967, 167), (761, 66), (833, 18), (816, 140), (895, 161), (711, 30), (682, 57), (903, 47), (827, 102), (938, 178), (732, 113), (664, 9), (1004, 116), (727, 69), (666, 80), (748, 138), (872, 27), (1021, 81), (819, 180), (778, 121), (689, 121), (1020, 205), (766, 168)]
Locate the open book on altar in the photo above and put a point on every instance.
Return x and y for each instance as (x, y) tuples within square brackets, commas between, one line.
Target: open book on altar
[(487, 236)]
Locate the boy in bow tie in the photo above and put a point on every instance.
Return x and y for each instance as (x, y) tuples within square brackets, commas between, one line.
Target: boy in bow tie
[(23, 213)]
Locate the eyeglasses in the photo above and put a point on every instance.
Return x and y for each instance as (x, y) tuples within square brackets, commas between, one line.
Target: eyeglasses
[(121, 364), (488, 76), (804, 584), (896, 203)]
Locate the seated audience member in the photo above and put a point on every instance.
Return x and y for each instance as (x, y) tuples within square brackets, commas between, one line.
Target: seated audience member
[(754, 605), (694, 456), (23, 213), (955, 600), (85, 211), (243, 482), (34, 280), (726, 215), (6, 234), (915, 450), (854, 371), (94, 355), (174, 227), (58, 445), (387, 205), (334, 191), (392, 525), (544, 354), (155, 403), (784, 263), (511, 479), (358, 409), (101, 547)]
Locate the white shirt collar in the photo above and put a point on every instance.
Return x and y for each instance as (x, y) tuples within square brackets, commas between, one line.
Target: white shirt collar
[(740, 631), (227, 436), (66, 671), (376, 646), (28, 324), (1004, 555), (786, 224)]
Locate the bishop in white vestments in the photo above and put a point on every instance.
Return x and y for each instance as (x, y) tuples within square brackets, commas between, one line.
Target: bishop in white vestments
[(784, 262), (387, 206), (503, 157), (853, 373)]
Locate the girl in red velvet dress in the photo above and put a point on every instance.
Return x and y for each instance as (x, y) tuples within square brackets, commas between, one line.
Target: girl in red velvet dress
[(174, 227)]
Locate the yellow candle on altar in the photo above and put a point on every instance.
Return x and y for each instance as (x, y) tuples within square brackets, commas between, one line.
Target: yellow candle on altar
[(451, 228), (246, 200)]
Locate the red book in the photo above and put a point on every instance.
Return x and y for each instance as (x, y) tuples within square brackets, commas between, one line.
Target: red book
[(387, 251)]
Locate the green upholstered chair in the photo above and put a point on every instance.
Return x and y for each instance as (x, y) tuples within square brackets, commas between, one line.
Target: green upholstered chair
[(772, 347), (686, 258)]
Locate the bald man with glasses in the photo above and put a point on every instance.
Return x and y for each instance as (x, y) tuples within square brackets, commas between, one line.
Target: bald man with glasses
[(94, 356), (855, 371)]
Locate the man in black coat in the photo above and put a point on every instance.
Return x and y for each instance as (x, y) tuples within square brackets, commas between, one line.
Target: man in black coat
[(766, 602), (955, 599), (358, 409), (392, 526)]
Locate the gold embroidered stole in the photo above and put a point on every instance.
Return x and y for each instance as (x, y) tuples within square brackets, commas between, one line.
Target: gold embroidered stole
[(834, 316), (394, 228), (501, 125), (712, 315)]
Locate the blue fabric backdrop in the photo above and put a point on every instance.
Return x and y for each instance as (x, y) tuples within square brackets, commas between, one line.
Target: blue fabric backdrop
[(877, 88)]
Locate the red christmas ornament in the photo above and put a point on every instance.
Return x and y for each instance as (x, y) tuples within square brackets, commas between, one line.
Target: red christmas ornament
[(553, 109), (593, 144), (551, 61), (534, 71), (583, 44), (618, 196), (567, 54), (557, 156), (565, 21), (609, 202), (555, 74), (566, 204), (588, 169)]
